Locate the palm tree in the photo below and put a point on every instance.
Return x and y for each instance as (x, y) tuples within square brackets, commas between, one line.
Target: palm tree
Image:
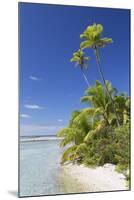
[(93, 39), (90, 136), (74, 135), (84, 122), (122, 103), (99, 99), (80, 59)]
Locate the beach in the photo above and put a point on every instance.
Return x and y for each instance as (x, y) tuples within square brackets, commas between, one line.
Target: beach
[(103, 178), (44, 174)]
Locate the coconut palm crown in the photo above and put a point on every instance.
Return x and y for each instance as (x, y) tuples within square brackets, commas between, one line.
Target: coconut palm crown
[(80, 59), (92, 36)]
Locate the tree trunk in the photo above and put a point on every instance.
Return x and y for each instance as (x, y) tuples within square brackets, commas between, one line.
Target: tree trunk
[(85, 78), (106, 119), (104, 82)]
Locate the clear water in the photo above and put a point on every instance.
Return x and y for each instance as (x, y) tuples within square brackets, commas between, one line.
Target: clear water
[(41, 172)]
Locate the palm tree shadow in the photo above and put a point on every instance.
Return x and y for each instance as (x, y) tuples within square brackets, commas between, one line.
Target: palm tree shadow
[(13, 193)]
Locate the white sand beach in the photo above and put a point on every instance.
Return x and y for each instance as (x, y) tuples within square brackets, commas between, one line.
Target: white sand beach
[(103, 178)]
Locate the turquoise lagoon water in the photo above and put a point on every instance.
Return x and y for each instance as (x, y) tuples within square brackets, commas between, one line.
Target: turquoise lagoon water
[(41, 172)]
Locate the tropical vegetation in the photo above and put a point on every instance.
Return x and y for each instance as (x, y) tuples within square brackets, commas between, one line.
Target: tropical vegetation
[(100, 133)]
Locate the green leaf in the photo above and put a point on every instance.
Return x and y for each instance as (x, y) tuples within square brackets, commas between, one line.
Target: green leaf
[(86, 44), (69, 154), (99, 28)]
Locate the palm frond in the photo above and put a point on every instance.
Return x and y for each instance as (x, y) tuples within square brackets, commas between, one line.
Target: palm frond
[(87, 99), (69, 154), (63, 132), (86, 44), (69, 135), (89, 136), (92, 37), (80, 59), (81, 149)]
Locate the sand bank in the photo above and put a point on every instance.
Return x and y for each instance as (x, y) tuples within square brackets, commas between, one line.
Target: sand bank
[(103, 178)]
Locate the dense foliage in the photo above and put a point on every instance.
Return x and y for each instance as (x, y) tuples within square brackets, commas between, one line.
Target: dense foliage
[(92, 132)]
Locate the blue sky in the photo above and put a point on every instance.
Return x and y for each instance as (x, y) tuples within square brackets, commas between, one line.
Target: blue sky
[(50, 86)]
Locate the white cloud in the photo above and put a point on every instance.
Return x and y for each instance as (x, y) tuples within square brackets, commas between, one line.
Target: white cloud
[(32, 106), (34, 78), (60, 120), (39, 129), (25, 116)]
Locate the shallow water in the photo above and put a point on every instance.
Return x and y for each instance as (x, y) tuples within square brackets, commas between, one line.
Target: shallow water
[(40, 170)]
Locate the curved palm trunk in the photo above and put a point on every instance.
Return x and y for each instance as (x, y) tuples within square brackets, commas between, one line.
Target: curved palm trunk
[(85, 78), (106, 119), (103, 79)]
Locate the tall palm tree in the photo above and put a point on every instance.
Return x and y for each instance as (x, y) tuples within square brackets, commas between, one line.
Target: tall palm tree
[(93, 39), (80, 59)]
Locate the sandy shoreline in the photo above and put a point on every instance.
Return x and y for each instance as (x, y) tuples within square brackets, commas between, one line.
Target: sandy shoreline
[(103, 178)]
